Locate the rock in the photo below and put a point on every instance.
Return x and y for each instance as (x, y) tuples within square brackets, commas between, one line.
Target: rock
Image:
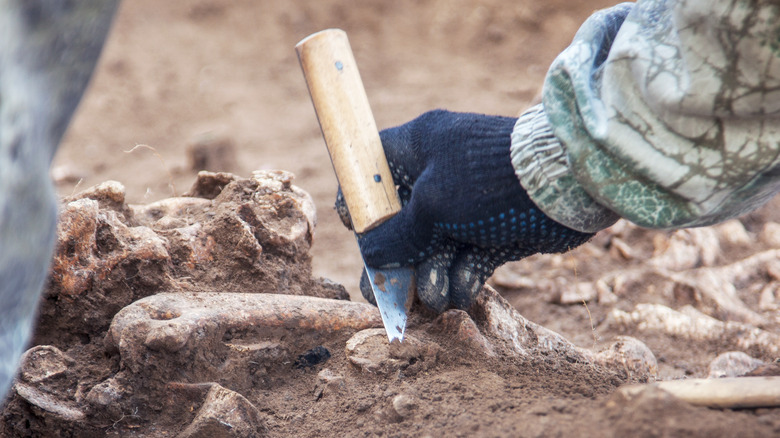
[(369, 351), (734, 233), (733, 364), (630, 354), (43, 362), (770, 234), (105, 393), (573, 293), (329, 382), (404, 405), (107, 397), (225, 414), (459, 324)]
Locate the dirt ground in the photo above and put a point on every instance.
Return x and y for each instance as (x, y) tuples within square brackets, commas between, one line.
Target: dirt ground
[(176, 76)]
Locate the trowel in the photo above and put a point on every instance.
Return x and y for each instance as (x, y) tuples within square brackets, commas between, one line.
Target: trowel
[(358, 158)]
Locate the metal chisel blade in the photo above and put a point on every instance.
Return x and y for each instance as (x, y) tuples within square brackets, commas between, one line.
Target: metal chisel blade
[(393, 290)]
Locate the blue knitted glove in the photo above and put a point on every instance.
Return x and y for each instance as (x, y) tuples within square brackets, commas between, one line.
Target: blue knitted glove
[(464, 211)]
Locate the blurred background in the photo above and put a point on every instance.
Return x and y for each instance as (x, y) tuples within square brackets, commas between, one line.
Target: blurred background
[(215, 85)]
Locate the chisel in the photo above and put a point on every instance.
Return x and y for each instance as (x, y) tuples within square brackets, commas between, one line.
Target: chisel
[(358, 159)]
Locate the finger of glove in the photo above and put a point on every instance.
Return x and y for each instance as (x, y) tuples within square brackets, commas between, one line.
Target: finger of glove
[(433, 283), (403, 240), (474, 265), (404, 160)]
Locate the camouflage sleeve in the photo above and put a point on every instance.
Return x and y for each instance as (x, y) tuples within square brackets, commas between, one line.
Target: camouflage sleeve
[(665, 113)]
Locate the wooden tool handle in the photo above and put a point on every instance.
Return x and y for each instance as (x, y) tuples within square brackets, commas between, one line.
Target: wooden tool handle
[(349, 128)]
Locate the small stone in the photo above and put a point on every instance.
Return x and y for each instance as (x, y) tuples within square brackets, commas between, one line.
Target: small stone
[(734, 233), (370, 351), (43, 362), (105, 393), (109, 194), (327, 376), (329, 383), (770, 234), (404, 405), (576, 293), (225, 414), (733, 364), (459, 324), (629, 354), (108, 397)]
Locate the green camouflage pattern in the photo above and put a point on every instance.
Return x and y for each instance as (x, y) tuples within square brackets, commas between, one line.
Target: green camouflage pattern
[(677, 127)]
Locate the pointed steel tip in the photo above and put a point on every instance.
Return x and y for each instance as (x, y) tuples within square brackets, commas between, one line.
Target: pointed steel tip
[(393, 290), (395, 335)]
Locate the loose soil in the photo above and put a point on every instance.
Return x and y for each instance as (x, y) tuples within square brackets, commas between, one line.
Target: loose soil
[(180, 75)]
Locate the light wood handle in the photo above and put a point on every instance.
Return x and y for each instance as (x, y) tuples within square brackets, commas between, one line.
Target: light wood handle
[(349, 128)]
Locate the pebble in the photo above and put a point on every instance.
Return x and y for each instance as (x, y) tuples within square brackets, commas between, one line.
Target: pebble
[(629, 354), (329, 382), (369, 351), (460, 325), (733, 364), (43, 362), (404, 405), (227, 414)]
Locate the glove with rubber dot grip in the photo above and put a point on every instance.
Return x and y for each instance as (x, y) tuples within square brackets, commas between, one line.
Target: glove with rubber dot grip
[(464, 211)]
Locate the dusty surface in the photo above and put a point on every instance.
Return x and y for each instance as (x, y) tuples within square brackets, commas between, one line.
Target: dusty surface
[(189, 78)]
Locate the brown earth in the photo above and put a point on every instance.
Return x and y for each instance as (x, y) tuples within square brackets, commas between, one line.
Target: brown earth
[(189, 78)]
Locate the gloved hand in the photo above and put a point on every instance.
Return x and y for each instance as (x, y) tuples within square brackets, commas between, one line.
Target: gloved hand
[(464, 211)]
